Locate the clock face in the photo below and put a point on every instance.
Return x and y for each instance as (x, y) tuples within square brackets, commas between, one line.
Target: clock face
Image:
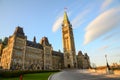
[(65, 24)]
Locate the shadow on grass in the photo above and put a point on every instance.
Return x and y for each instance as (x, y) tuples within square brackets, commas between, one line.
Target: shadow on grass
[(35, 76)]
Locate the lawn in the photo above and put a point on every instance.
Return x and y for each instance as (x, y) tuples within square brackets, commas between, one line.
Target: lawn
[(35, 76)]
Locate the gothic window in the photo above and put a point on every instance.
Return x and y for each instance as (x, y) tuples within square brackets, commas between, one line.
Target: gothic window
[(18, 53), (65, 31), (67, 44), (67, 57)]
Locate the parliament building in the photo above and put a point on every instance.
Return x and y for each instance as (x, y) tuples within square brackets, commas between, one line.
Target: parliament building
[(18, 53)]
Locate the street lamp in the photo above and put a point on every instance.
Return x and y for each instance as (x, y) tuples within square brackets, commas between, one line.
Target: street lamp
[(107, 65)]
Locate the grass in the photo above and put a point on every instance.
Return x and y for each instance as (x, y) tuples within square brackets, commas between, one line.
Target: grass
[(35, 76)]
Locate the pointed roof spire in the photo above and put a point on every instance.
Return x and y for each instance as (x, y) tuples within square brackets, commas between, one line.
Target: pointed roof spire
[(65, 16), (65, 19), (34, 39)]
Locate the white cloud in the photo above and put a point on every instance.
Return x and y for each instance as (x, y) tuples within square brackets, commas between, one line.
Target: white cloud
[(57, 24), (79, 19), (113, 35), (59, 20), (105, 4), (103, 48), (102, 24)]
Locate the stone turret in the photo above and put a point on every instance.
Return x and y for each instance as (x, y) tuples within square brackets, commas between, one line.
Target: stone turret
[(34, 39), (44, 41)]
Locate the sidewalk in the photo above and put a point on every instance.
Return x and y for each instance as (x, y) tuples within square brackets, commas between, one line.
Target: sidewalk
[(114, 75)]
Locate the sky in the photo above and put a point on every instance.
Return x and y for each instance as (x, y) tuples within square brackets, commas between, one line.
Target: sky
[(96, 24)]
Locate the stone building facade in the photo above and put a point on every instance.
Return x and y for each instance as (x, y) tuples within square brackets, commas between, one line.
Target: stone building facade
[(83, 60), (16, 52), (0, 53), (21, 53)]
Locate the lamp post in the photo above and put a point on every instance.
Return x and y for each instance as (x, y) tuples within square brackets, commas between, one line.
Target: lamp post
[(106, 59), (107, 65)]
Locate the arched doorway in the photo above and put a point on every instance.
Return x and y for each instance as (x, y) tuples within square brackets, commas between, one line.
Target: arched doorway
[(68, 65), (75, 65), (38, 67)]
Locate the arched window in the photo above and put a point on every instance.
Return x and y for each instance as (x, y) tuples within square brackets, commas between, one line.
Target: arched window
[(67, 56)]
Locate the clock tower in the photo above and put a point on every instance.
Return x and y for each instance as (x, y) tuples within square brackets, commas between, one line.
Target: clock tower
[(68, 44)]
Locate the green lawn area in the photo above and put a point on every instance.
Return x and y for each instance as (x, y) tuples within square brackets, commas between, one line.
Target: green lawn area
[(35, 76)]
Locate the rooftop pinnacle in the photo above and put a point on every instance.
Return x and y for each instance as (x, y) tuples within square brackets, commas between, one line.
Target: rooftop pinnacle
[(65, 19)]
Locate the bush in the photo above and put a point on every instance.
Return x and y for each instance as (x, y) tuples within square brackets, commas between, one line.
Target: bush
[(17, 73), (118, 68), (11, 73)]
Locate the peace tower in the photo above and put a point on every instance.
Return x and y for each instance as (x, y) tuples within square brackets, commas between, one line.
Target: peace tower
[(68, 44)]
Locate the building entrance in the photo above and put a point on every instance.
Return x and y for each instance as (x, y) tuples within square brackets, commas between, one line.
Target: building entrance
[(68, 65)]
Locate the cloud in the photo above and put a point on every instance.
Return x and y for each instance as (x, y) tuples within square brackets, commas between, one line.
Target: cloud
[(57, 24), (105, 4), (114, 34), (59, 20), (103, 48), (105, 22), (78, 20), (108, 36)]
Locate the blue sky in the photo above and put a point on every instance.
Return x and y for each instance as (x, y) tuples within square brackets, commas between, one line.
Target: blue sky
[(96, 24)]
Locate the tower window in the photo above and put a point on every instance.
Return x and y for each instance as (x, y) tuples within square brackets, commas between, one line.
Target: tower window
[(67, 57), (65, 32)]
